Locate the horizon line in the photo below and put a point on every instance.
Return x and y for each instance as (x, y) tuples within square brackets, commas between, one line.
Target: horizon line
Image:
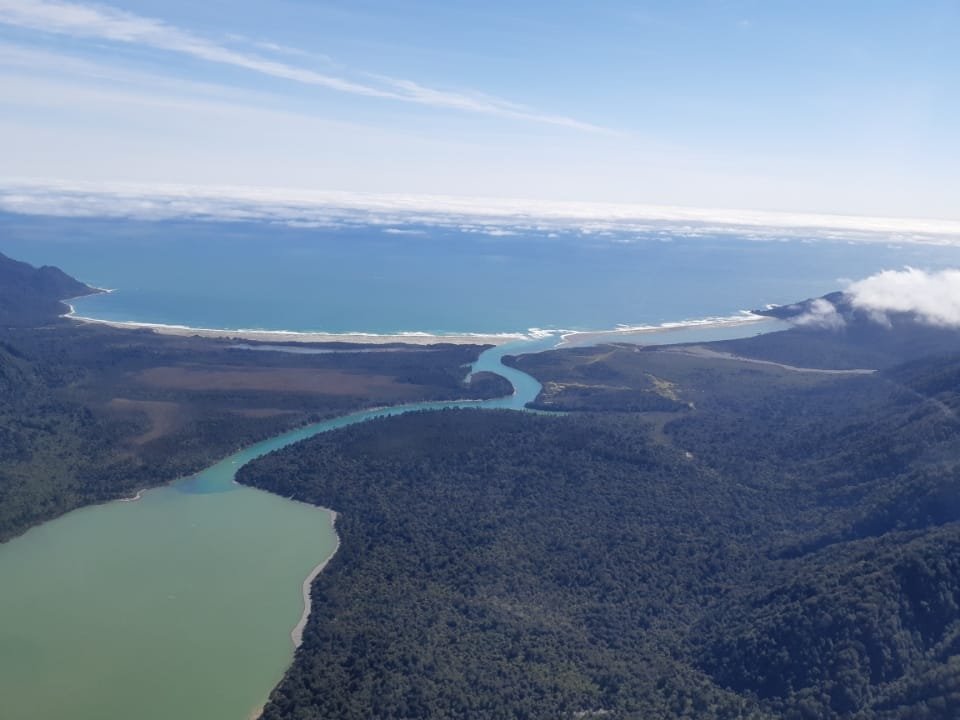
[(156, 201)]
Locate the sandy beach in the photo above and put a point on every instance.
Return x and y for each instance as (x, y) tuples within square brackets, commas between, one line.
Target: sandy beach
[(283, 336)]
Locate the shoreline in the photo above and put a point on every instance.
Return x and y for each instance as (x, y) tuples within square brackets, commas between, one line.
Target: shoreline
[(573, 338), (360, 338), (135, 498), (567, 338), (296, 635)]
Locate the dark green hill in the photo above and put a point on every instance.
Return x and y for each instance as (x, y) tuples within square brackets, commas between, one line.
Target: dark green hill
[(857, 340), (32, 296)]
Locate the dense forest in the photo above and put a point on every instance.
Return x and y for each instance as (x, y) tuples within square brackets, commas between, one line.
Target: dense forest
[(91, 413), (860, 342), (705, 537)]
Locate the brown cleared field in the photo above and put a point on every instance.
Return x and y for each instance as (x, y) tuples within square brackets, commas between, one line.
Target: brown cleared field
[(316, 381)]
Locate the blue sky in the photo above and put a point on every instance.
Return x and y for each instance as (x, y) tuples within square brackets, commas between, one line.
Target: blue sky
[(842, 107)]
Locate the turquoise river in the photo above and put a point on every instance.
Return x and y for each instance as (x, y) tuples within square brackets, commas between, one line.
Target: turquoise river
[(180, 604)]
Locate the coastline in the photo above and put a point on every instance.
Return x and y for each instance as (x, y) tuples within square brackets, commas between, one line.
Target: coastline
[(576, 337), (568, 338), (411, 338)]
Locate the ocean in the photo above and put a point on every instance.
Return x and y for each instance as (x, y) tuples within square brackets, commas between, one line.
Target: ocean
[(439, 280)]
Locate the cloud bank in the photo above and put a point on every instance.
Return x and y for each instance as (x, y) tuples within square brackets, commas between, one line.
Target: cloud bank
[(932, 298), (491, 215)]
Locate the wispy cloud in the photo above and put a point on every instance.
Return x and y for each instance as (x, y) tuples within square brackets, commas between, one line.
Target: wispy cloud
[(489, 215), (820, 313), (114, 25), (279, 49), (25, 64), (478, 103)]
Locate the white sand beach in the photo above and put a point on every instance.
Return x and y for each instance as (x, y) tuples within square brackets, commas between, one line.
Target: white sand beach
[(281, 336)]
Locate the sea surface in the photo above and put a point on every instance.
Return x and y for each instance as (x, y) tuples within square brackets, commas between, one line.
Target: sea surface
[(378, 279)]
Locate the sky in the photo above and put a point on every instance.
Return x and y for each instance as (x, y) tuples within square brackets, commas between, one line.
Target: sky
[(844, 107)]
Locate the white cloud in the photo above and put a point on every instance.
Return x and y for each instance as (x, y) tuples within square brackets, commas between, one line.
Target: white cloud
[(820, 313), (489, 215), (931, 297), (482, 104), (105, 23)]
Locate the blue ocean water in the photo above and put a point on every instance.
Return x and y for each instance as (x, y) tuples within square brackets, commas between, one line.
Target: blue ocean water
[(438, 280)]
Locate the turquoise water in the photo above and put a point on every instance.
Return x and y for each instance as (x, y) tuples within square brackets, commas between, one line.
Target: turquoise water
[(271, 276)]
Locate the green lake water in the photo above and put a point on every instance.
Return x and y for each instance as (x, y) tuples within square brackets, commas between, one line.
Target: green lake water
[(178, 605)]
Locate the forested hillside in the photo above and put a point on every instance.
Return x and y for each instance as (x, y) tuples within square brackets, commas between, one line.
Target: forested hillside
[(32, 296), (772, 543), (856, 340)]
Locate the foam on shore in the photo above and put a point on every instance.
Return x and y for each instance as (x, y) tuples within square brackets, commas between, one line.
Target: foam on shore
[(567, 337), (260, 335)]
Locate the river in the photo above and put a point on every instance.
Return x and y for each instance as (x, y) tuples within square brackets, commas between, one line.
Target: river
[(179, 604)]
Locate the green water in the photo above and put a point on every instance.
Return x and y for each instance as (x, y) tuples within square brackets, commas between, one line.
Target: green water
[(179, 605)]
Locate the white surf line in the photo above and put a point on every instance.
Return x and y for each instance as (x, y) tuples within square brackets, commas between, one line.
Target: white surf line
[(250, 334)]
